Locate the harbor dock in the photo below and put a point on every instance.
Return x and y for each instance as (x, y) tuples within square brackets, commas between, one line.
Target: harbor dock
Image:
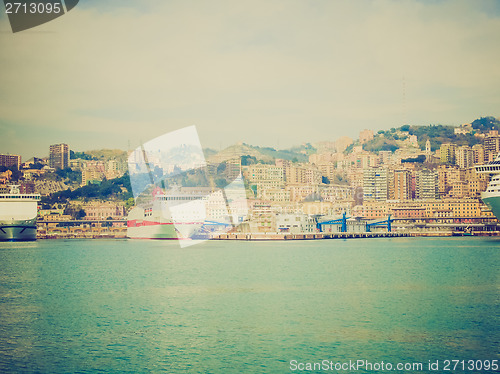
[(305, 236), (338, 235)]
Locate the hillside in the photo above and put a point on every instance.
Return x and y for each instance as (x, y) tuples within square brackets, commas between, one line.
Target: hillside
[(380, 143), (261, 154), (118, 188), (437, 134), (237, 151), (108, 154), (485, 124)]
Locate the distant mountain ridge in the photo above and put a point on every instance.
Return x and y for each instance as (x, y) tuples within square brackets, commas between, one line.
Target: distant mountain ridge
[(392, 140), (108, 154), (262, 154)]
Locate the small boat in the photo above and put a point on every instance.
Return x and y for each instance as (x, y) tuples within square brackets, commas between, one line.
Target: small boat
[(466, 232)]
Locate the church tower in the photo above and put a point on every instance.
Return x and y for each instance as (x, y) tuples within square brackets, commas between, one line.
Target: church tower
[(428, 146)]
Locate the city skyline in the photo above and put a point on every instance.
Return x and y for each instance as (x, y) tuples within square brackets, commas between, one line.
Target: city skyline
[(268, 74)]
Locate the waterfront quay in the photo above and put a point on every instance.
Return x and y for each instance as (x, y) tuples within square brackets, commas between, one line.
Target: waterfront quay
[(82, 229), (343, 235)]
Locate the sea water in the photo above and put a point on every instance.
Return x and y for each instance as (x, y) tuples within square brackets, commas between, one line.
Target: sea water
[(247, 307)]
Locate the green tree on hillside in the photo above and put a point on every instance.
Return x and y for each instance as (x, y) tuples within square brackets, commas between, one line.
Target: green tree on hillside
[(485, 124), (81, 155)]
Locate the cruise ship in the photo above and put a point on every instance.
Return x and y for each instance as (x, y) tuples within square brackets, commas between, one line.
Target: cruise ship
[(18, 214), (491, 196)]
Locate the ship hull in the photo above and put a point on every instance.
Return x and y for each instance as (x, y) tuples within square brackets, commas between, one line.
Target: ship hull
[(152, 231), (493, 203), (155, 222), (18, 231), (161, 231)]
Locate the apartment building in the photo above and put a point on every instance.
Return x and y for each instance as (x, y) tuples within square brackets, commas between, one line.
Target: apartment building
[(262, 218), (464, 157), (77, 164), (366, 160), (104, 210), (375, 183), (491, 145), (477, 183), (10, 160), (295, 223), (328, 170), (426, 184), (402, 185), (278, 195), (444, 179), (445, 208), (303, 174), (262, 172), (93, 171), (385, 157), (478, 154), (59, 156), (447, 153)]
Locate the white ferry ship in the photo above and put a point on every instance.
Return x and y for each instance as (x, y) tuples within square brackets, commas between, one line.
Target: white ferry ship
[(18, 214), (164, 210), (159, 220), (491, 196), (187, 212)]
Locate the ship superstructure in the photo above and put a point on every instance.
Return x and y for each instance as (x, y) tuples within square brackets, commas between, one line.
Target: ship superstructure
[(491, 196)]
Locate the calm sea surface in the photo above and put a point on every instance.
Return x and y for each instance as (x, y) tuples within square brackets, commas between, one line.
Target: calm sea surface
[(246, 307)]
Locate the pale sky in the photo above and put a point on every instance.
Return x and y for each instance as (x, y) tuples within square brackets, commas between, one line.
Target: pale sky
[(269, 73)]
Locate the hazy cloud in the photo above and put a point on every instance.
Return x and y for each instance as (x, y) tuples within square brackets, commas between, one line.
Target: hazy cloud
[(261, 72)]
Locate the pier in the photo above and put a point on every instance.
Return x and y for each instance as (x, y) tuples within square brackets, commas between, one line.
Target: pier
[(340, 235), (306, 236)]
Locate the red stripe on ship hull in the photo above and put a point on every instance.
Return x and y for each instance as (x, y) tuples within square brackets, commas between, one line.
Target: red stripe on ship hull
[(161, 238)]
